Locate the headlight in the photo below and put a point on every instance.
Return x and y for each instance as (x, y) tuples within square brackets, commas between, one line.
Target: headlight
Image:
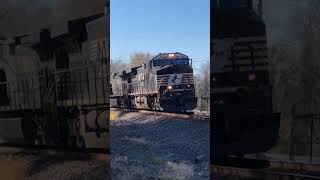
[(169, 87), (252, 77)]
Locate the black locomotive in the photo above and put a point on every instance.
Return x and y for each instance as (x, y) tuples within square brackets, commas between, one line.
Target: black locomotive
[(163, 83), (243, 120), (54, 92)]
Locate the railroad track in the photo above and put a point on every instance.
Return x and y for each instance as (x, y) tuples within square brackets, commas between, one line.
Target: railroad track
[(16, 148), (276, 170), (175, 114)]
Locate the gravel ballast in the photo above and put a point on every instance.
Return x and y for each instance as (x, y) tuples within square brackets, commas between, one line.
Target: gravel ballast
[(153, 146)]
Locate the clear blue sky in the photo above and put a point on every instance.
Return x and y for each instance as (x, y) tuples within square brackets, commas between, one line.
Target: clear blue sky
[(158, 26)]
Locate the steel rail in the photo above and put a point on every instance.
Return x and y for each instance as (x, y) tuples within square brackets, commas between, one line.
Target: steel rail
[(225, 171), (177, 114), (277, 170), (29, 147)]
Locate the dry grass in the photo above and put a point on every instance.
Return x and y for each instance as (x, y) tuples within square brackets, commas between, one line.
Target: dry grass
[(114, 115), (138, 140), (177, 171), (11, 169), (166, 170)]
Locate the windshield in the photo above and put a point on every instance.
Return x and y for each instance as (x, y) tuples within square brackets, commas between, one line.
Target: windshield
[(228, 5), (164, 62)]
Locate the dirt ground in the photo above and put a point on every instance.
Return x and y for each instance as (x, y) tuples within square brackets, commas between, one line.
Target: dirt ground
[(149, 146), (52, 165)]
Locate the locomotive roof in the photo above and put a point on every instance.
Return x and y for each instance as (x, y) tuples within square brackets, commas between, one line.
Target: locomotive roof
[(174, 55), (75, 29), (76, 32), (233, 18), (227, 5), (238, 23)]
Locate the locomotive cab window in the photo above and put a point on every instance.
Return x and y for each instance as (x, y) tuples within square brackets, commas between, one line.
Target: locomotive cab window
[(231, 5), (165, 62)]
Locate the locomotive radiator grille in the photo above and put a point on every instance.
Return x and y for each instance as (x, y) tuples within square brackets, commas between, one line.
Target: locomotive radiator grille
[(241, 54)]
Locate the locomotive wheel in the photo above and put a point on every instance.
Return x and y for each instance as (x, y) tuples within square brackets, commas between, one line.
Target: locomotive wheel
[(77, 125), (29, 127), (130, 102), (77, 142), (81, 143), (39, 139), (64, 131), (122, 103), (155, 104), (118, 103), (74, 138), (73, 141)]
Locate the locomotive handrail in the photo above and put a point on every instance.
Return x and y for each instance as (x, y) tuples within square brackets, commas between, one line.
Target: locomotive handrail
[(174, 74), (153, 83), (79, 68), (34, 88)]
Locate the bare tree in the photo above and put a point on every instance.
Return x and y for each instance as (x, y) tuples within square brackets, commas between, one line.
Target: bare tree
[(205, 79), (295, 73), (202, 84), (310, 59), (117, 66), (137, 59)]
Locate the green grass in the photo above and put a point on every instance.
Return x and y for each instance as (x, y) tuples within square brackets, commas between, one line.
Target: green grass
[(157, 161)]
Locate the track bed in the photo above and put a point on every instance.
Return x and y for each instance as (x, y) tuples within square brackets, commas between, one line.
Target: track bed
[(158, 146), (33, 164)]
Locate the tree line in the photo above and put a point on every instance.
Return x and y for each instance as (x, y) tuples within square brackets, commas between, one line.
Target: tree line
[(295, 74)]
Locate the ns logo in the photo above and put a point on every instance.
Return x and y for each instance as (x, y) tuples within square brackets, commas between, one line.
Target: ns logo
[(175, 79)]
